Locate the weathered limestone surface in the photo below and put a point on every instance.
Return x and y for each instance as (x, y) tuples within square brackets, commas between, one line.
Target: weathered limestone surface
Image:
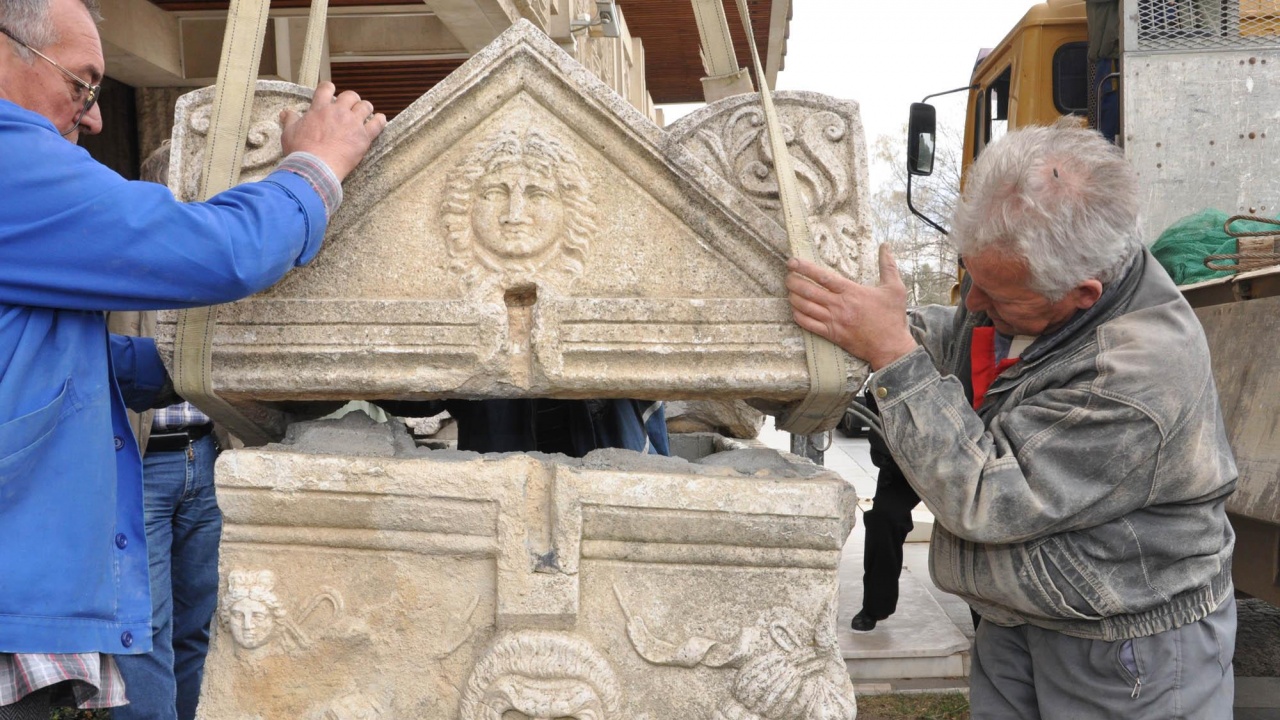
[(402, 583), (828, 151), (521, 231)]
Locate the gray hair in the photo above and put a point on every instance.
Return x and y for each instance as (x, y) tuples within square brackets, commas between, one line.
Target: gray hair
[(155, 168), (1061, 198), (29, 21)]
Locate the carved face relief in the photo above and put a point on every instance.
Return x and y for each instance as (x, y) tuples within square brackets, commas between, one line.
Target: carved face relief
[(251, 622), (250, 608), (515, 697), (518, 212), (541, 676), (519, 208)]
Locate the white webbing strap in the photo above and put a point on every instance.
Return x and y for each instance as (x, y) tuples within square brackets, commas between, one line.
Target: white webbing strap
[(828, 364), (231, 116), (309, 73), (717, 44)]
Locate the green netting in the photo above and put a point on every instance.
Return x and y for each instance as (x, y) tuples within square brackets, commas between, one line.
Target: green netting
[(1183, 247)]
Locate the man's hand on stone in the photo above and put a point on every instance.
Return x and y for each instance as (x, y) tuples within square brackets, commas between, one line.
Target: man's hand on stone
[(868, 322), (338, 130)]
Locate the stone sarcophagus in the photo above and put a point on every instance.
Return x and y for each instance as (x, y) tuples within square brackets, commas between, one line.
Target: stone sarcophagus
[(437, 585), (521, 231)]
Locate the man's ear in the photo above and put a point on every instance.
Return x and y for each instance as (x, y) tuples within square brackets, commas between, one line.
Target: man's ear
[(1086, 294)]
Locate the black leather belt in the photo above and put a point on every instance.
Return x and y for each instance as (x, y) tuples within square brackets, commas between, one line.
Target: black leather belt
[(178, 440)]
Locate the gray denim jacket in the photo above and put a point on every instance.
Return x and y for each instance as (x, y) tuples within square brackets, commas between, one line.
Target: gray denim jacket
[(1087, 496)]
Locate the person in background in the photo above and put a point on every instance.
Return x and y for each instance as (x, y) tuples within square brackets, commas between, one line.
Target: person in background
[(570, 427), (183, 527), (886, 526), (1103, 19)]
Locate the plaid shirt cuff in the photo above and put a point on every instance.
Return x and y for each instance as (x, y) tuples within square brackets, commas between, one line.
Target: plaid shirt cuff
[(95, 680), (318, 176), (178, 417)]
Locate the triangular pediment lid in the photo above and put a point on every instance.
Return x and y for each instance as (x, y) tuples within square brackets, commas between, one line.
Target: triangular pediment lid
[(657, 212), (519, 231)]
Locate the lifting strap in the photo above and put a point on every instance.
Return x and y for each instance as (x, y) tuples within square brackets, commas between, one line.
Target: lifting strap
[(724, 77), (224, 154), (717, 44), (828, 364), (309, 72)]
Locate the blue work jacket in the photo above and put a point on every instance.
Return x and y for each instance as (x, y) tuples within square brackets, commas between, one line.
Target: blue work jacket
[(76, 239)]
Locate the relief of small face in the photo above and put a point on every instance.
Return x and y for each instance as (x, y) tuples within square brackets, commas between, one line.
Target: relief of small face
[(251, 623), (517, 212)]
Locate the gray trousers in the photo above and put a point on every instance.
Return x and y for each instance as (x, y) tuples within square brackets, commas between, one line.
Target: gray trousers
[(1027, 673)]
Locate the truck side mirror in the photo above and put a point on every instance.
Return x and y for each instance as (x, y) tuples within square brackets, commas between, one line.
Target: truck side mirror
[(921, 129)]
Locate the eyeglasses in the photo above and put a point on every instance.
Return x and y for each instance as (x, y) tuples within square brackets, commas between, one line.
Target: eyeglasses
[(92, 92)]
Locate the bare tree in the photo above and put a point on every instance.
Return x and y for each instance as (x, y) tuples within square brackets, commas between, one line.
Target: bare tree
[(926, 259)]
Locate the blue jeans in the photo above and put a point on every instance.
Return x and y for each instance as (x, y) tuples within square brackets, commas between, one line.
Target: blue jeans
[(184, 526)]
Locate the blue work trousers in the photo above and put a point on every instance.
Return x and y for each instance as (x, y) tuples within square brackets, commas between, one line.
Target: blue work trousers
[(184, 526)]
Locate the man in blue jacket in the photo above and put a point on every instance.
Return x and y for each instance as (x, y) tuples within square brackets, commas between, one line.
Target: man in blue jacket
[(76, 240)]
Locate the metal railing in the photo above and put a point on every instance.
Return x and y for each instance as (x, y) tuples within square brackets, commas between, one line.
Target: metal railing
[(1202, 24)]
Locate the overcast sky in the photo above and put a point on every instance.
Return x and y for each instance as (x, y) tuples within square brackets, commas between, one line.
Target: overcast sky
[(886, 54)]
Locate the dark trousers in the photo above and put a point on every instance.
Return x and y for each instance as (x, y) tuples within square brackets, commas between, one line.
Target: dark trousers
[(35, 706), (887, 524)]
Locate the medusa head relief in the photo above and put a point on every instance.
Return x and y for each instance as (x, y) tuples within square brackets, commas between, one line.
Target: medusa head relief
[(518, 209), (536, 675)]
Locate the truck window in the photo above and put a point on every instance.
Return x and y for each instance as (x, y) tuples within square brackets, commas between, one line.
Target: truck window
[(1071, 79), (992, 120)]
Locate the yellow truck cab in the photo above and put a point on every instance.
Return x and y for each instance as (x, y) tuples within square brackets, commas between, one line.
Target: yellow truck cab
[(1038, 73)]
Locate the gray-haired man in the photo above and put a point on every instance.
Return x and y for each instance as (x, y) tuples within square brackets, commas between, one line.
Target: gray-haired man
[(1063, 426)]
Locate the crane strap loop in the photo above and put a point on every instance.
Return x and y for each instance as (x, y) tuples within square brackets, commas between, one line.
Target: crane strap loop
[(828, 365), (230, 120)]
